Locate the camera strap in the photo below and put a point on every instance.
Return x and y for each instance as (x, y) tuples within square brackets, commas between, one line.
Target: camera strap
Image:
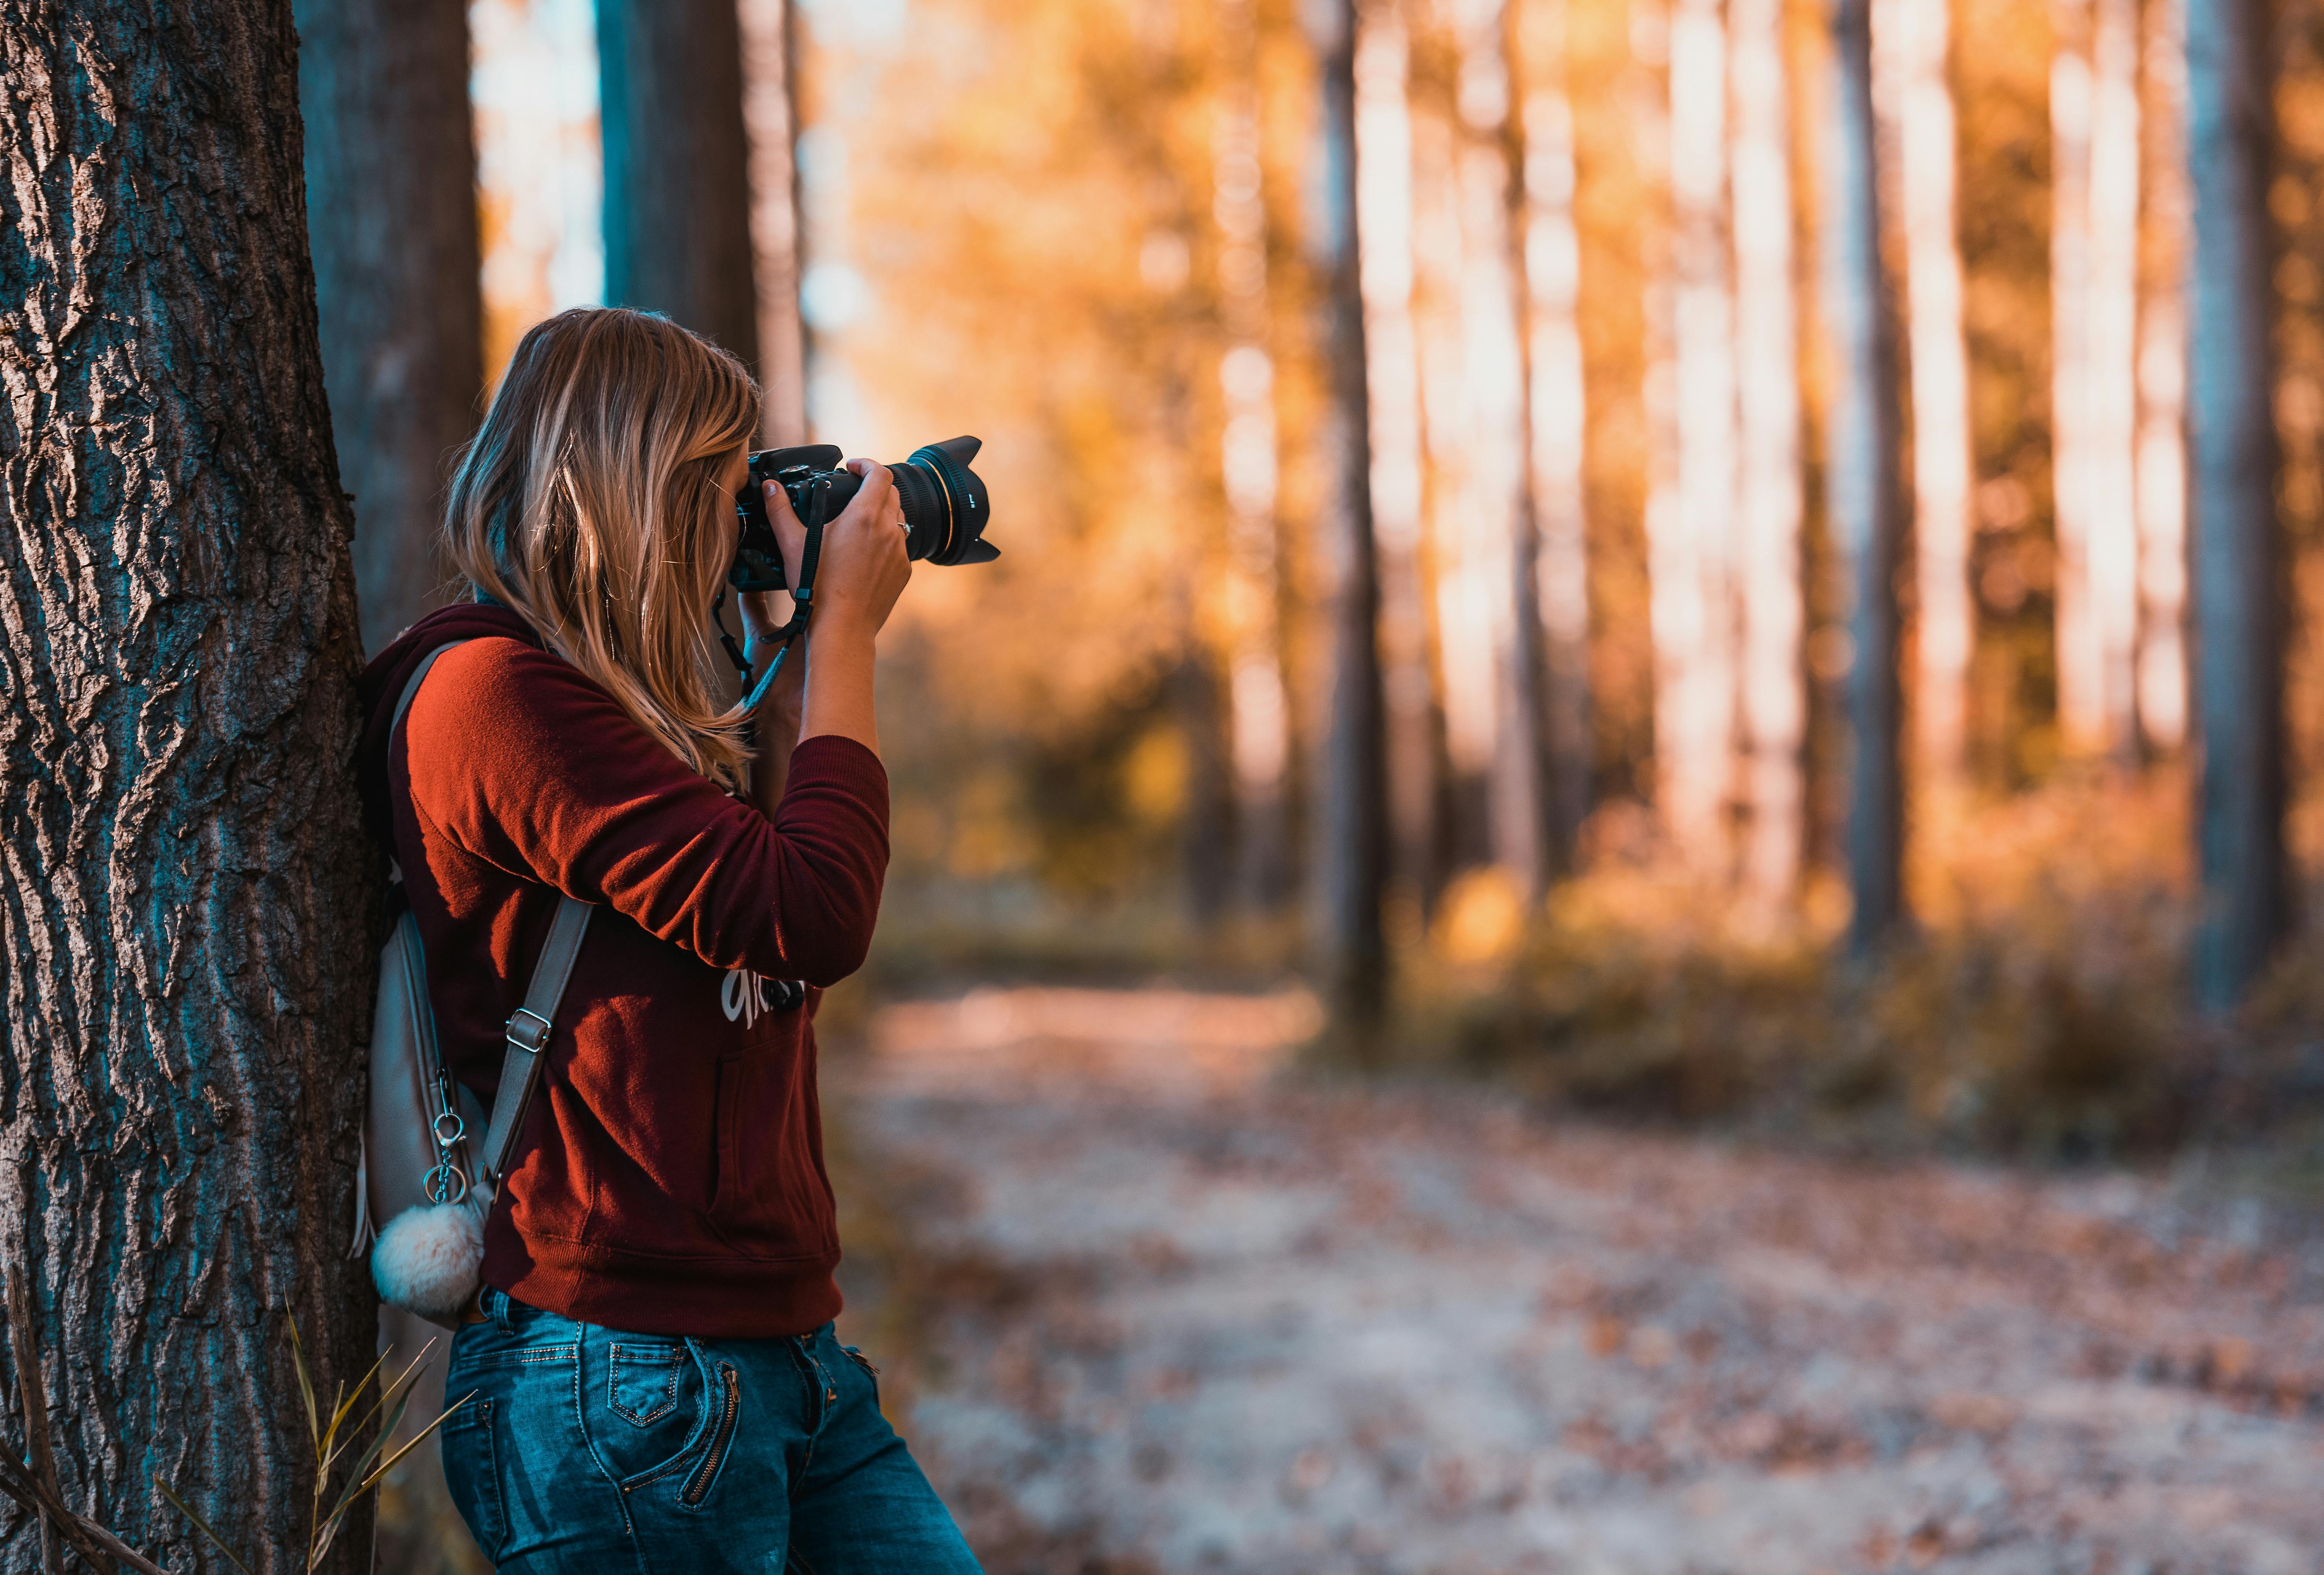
[(802, 604)]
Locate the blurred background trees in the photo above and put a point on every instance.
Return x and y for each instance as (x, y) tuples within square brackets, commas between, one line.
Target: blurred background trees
[(1711, 472)]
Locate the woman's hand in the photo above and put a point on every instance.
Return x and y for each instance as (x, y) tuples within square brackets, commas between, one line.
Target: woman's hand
[(861, 572), (862, 568)]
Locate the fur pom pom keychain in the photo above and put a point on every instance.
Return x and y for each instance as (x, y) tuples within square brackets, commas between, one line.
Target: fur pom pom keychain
[(427, 1260)]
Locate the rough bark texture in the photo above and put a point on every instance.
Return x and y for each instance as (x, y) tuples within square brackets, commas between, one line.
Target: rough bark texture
[(188, 890), (2239, 589), (1861, 479), (677, 189), (1352, 855), (391, 171)]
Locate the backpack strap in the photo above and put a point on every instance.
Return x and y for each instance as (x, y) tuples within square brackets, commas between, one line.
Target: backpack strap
[(527, 1034), (528, 1029)]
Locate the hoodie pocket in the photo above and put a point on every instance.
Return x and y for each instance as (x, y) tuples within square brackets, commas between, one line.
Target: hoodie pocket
[(769, 1201)]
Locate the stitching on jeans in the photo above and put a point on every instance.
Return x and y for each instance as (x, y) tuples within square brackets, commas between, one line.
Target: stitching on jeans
[(684, 1460), (641, 1357)]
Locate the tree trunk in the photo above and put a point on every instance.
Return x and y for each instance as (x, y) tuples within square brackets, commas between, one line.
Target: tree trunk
[(1259, 722), (770, 114), (1917, 48), (1558, 575), (2079, 714), (189, 890), (383, 86), (1773, 675), (2163, 391), (2094, 312), (1692, 564), (1861, 481), (1500, 555), (2236, 549), (1384, 221), (677, 189), (1352, 864)]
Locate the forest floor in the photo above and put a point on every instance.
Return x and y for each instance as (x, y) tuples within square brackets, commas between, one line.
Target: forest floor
[(1149, 1299)]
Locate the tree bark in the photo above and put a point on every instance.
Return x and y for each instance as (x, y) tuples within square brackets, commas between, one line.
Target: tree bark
[(1351, 861), (677, 189), (1772, 609), (1862, 486), (189, 890), (383, 86), (1916, 48), (1550, 294), (771, 114), (2237, 547)]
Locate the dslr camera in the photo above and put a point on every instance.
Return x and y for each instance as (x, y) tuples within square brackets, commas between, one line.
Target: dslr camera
[(946, 505)]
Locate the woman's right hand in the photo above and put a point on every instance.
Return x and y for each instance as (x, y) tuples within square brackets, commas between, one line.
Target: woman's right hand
[(859, 574), (862, 568)]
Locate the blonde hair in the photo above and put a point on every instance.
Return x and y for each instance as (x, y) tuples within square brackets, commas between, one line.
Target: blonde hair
[(591, 502)]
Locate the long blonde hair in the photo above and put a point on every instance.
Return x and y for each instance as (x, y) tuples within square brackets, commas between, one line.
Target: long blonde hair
[(591, 502)]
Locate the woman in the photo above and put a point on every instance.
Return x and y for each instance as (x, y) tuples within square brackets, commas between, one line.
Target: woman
[(649, 1376)]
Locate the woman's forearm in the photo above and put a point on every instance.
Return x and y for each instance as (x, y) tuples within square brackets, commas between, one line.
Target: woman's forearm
[(840, 659), (771, 768)]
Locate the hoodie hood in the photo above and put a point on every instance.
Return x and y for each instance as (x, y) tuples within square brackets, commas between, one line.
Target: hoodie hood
[(382, 685)]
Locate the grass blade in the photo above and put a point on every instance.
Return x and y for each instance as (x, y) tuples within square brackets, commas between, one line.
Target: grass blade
[(305, 1387), (200, 1524)]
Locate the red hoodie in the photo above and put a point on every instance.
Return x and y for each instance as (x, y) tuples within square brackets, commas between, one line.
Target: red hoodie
[(669, 1178)]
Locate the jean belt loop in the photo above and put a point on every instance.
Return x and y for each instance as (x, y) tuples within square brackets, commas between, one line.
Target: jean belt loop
[(496, 1308)]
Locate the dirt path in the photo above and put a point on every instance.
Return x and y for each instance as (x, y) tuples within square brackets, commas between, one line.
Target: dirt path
[(1180, 1313)]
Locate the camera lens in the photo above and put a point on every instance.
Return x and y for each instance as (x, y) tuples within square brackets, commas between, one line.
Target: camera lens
[(946, 505)]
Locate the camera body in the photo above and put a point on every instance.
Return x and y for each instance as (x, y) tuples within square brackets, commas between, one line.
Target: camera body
[(945, 502)]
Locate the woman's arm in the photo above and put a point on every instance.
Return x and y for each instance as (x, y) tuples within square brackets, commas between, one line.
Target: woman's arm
[(827, 687)]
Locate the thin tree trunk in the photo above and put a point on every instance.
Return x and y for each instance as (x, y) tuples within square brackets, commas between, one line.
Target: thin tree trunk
[(2080, 715), (189, 888), (1769, 503), (383, 86), (1551, 299), (2111, 548), (1862, 492), (2162, 392), (2094, 313), (677, 189), (1259, 713), (1352, 865), (1499, 501), (2237, 551), (1384, 220), (1462, 403), (1917, 50), (1694, 621), (771, 115)]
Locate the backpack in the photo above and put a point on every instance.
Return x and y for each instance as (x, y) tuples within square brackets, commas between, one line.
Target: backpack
[(424, 1184)]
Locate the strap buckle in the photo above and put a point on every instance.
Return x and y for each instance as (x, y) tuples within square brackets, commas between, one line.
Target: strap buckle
[(529, 1036)]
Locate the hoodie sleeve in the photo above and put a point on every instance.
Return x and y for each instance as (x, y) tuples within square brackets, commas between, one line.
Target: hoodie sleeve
[(522, 761)]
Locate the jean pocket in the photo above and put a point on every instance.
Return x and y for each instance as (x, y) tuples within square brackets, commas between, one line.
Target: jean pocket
[(641, 1381), (471, 1471)]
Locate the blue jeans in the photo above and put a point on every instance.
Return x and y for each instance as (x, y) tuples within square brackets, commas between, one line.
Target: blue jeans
[(583, 1448)]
